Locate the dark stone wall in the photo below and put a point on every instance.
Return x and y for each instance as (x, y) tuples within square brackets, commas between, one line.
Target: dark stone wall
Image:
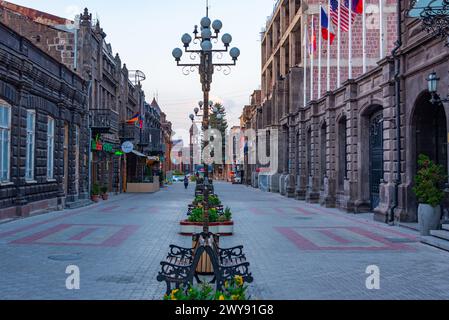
[(28, 83)]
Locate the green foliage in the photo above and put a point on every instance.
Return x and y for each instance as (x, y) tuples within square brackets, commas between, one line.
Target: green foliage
[(197, 215), (233, 290), (104, 189), (428, 182), (95, 189), (193, 178), (214, 201), (178, 173), (228, 214)]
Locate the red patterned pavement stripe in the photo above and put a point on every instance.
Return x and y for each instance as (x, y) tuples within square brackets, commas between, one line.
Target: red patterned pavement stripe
[(63, 216), (398, 233), (120, 236), (109, 209), (80, 236), (298, 240), (332, 235), (40, 235)]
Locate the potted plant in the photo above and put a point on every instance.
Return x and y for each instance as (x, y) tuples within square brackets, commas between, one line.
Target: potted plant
[(428, 190), (104, 193), (222, 225), (95, 194)]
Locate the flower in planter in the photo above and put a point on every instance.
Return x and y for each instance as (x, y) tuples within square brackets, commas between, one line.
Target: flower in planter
[(234, 290)]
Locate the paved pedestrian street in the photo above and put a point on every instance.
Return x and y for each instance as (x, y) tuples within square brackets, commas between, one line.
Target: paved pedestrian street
[(296, 250)]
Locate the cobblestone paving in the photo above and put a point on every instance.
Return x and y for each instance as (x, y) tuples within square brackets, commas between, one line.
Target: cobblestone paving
[(296, 250)]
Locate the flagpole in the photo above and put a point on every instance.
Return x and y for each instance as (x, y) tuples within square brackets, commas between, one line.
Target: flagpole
[(319, 56), (350, 41), (364, 36), (328, 67), (305, 66), (311, 61), (381, 28), (338, 45)]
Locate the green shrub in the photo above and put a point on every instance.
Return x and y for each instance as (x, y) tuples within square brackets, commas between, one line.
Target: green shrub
[(104, 189), (428, 182), (228, 214), (95, 189), (197, 215)]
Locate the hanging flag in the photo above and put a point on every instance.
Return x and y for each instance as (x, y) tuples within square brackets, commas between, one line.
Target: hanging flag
[(312, 43), (357, 6), (344, 14), (326, 27), (134, 119)]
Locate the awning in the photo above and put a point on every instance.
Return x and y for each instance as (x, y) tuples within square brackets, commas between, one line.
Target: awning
[(137, 153)]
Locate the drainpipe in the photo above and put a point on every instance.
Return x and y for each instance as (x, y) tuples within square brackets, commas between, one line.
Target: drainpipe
[(397, 81), (89, 148)]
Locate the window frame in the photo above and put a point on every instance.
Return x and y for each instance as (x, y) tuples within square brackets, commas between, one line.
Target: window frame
[(8, 129), (51, 153), (30, 157)]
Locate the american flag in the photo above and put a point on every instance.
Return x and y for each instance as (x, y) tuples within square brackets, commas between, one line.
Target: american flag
[(344, 14)]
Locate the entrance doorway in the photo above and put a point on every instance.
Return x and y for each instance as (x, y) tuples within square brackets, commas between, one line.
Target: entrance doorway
[(429, 121), (376, 155)]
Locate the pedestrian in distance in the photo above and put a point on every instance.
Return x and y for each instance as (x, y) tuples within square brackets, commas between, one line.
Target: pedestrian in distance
[(186, 182)]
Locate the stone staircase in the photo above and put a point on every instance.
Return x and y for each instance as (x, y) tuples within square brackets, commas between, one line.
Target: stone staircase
[(438, 238)]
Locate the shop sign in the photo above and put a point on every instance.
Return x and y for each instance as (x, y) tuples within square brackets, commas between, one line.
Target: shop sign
[(127, 147), (98, 145)]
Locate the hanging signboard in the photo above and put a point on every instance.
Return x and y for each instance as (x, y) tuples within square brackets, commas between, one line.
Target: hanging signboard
[(98, 145), (127, 147)]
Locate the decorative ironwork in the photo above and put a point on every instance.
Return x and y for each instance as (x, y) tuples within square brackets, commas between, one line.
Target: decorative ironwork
[(186, 70), (181, 264), (434, 16)]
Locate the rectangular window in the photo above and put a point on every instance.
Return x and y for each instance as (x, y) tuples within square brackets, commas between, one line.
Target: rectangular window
[(5, 141), (29, 164), (50, 147), (77, 157)]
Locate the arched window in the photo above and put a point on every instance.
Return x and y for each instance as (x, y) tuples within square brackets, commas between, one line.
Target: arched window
[(342, 152), (323, 153), (5, 141), (309, 152)]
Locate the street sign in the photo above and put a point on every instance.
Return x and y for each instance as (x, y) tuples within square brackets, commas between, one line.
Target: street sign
[(127, 147)]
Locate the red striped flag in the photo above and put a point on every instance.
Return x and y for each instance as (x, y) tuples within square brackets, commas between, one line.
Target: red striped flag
[(344, 14)]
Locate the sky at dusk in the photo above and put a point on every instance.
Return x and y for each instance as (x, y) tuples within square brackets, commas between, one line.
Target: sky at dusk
[(144, 33)]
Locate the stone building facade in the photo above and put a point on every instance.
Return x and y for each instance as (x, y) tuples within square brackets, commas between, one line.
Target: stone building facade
[(342, 150), (115, 96), (43, 130)]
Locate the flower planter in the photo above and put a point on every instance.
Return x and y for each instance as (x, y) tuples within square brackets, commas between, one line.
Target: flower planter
[(95, 198), (428, 218), (220, 228), (105, 196)]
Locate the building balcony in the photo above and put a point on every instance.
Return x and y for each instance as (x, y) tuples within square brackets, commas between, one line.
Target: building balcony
[(104, 121), (144, 139), (130, 132)]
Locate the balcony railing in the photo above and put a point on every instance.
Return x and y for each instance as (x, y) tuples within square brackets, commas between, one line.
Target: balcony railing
[(144, 138), (130, 132), (104, 121)]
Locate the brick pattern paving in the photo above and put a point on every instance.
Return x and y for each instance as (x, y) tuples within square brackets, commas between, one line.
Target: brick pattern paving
[(296, 250)]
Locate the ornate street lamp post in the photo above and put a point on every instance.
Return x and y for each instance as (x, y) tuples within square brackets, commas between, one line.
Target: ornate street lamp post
[(208, 34)]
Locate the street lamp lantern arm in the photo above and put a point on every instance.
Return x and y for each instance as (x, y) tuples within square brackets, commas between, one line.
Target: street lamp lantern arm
[(188, 64)]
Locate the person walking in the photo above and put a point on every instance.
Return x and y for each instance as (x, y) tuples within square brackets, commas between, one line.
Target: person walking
[(186, 182)]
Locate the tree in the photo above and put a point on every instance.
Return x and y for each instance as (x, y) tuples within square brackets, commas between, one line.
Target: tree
[(220, 124)]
